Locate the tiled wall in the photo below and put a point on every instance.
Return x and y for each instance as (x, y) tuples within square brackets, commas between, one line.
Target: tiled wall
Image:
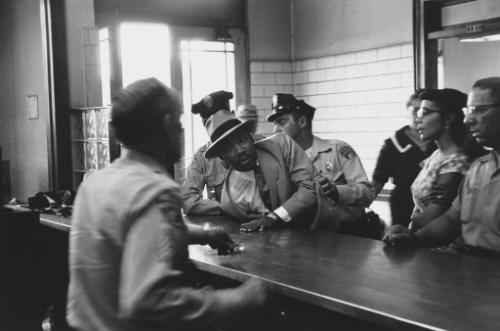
[(360, 97), (268, 78)]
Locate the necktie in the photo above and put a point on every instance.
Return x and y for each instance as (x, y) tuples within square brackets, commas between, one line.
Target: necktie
[(262, 187)]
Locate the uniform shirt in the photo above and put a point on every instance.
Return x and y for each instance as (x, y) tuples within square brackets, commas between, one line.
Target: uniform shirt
[(338, 161), (200, 173), (477, 206), (129, 263)]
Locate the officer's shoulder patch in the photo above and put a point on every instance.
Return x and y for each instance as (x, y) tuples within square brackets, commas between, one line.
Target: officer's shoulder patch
[(347, 152)]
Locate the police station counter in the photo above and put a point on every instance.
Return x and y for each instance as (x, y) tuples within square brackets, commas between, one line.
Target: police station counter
[(330, 276)]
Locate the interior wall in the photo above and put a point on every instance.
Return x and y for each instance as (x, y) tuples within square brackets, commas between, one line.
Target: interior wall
[(269, 32), (22, 72), (466, 62), (82, 46), (325, 27)]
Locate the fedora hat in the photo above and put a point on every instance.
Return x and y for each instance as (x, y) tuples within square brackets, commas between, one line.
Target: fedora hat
[(283, 103), (222, 125), (246, 112)]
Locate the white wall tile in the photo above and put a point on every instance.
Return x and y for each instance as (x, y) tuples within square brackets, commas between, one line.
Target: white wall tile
[(336, 73), (389, 52), (261, 103), (273, 67), (297, 66), (326, 87), (357, 70), (257, 91), (326, 62), (407, 50), (317, 75), (300, 77), (407, 79), (401, 65), (386, 81), (377, 68), (270, 90), (310, 64), (288, 89), (366, 56), (284, 78), (325, 113), (318, 101), (287, 66), (256, 67), (345, 59), (262, 78), (308, 89)]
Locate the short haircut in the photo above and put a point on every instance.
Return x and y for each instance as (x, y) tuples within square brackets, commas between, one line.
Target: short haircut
[(308, 115), (490, 83), (138, 111)]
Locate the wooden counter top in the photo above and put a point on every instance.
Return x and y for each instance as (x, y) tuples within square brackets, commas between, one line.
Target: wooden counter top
[(360, 278)]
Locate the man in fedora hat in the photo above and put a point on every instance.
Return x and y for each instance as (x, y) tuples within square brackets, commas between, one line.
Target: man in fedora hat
[(129, 259), (269, 182), (337, 166), (210, 173)]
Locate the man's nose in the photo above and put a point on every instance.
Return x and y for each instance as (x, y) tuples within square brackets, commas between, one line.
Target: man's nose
[(276, 128), (239, 148), (469, 119)]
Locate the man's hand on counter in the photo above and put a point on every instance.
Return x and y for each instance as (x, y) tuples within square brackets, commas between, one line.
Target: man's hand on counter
[(399, 235), (262, 223), (218, 239)]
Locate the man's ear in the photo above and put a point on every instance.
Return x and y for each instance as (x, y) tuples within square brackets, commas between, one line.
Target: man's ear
[(302, 121), (166, 125)]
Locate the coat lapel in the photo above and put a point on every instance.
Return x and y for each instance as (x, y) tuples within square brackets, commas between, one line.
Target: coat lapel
[(270, 170)]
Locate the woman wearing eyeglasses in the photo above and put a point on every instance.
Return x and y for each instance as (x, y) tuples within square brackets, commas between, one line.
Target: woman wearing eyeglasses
[(440, 119)]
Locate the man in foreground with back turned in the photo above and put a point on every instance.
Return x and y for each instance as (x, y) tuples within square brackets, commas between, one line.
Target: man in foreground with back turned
[(129, 262), (475, 212)]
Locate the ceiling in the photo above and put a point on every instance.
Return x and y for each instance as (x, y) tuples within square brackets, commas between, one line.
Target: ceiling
[(190, 12)]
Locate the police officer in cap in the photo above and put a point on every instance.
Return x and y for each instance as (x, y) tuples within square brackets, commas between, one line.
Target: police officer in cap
[(339, 170)]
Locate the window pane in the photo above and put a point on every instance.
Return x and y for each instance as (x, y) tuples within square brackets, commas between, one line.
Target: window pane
[(145, 52), (206, 68)]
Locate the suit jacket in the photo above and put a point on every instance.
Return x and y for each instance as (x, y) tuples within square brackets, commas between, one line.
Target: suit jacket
[(289, 175)]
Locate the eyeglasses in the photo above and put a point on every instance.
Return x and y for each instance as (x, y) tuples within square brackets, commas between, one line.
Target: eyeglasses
[(426, 111), (478, 109)]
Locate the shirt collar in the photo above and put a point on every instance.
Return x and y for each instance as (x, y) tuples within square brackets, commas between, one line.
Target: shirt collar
[(148, 161), (319, 146)]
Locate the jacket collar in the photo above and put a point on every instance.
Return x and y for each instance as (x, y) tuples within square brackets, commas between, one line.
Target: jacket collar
[(139, 157)]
